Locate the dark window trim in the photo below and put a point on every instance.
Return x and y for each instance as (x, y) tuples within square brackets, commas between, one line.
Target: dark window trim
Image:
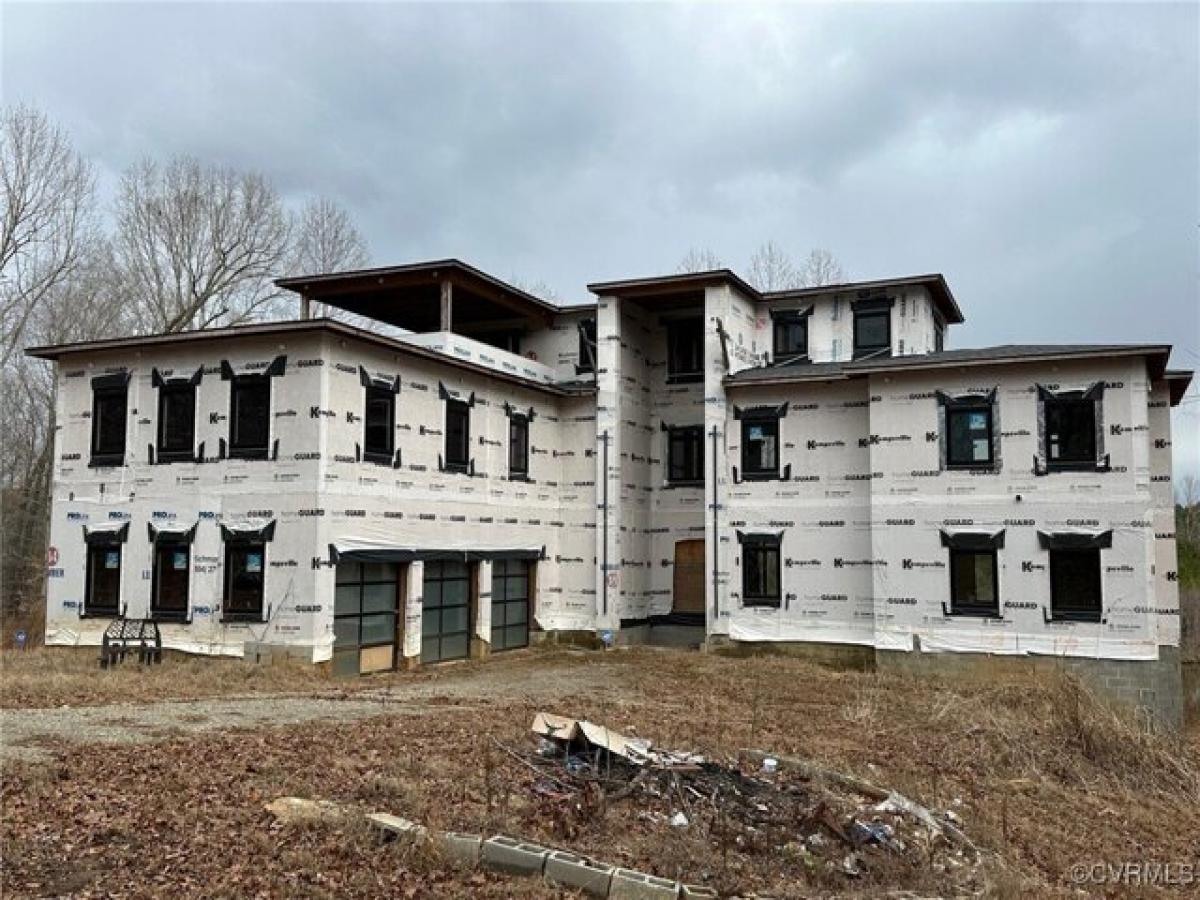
[(103, 386), (749, 416), (277, 368), (1093, 394), (976, 610), (520, 421), (380, 391), (243, 616), (752, 542), (90, 610), (1077, 614), (183, 616), (790, 317), (691, 432), (456, 465), (169, 385), (676, 375), (865, 308)]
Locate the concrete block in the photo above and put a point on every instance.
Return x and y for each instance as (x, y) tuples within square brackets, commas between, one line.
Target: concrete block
[(568, 870), (512, 855), (460, 849), (696, 890), (395, 826), (630, 885)]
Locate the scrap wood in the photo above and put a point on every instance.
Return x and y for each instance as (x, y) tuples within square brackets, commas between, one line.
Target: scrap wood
[(527, 764)]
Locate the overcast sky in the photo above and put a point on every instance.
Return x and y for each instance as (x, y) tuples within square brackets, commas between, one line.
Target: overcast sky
[(1045, 158)]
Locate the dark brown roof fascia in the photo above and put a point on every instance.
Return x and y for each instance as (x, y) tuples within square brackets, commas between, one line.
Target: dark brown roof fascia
[(663, 284), (1178, 382), (271, 329), (302, 283)]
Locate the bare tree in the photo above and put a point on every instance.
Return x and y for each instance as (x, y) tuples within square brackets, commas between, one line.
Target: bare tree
[(198, 246), (698, 259), (820, 268), (326, 240), (771, 269), (47, 217), (538, 287)]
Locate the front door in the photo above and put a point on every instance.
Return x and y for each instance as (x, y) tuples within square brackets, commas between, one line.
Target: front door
[(365, 608), (510, 604), (446, 611), (689, 577)]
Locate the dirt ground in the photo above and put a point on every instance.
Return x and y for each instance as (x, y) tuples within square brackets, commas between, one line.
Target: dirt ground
[(166, 794)]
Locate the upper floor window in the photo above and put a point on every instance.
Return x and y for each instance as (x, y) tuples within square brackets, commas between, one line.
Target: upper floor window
[(458, 435), (939, 334), (250, 417), (250, 409), (760, 442), (1071, 429), (790, 328), (110, 414), (176, 417), (872, 327), (685, 455), (685, 350), (518, 445), (968, 430), (761, 581), (379, 425), (587, 346)]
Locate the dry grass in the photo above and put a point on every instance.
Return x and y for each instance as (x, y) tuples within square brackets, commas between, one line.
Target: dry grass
[(54, 676), (1042, 774)]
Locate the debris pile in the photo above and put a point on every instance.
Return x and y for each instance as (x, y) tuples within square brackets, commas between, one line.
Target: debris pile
[(754, 804)]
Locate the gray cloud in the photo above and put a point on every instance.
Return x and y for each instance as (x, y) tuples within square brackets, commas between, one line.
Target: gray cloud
[(1044, 157)]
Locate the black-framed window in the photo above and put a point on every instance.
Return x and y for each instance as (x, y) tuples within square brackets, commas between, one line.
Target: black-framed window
[(171, 580), (1076, 593), (873, 329), (446, 611), (110, 415), (685, 455), (587, 346), (790, 330), (102, 591), (969, 438), (458, 435), (974, 582), (250, 416), (379, 424), (245, 581), (761, 572), (176, 422), (760, 447), (518, 445), (685, 350), (939, 334), (1070, 431)]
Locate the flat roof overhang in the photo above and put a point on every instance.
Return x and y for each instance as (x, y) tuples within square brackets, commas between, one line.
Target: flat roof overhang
[(665, 291), (56, 352), (1178, 381), (410, 297), (934, 282)]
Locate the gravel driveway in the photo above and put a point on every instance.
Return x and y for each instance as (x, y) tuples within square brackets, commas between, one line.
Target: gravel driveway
[(22, 730)]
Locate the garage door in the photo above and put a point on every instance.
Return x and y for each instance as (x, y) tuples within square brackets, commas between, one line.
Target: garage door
[(364, 617), (446, 612), (510, 604)]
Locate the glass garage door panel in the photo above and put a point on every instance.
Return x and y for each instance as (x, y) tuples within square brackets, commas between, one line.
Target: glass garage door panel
[(510, 604), (445, 612), (365, 616)]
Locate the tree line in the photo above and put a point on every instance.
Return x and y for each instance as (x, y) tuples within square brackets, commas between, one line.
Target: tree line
[(185, 245)]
